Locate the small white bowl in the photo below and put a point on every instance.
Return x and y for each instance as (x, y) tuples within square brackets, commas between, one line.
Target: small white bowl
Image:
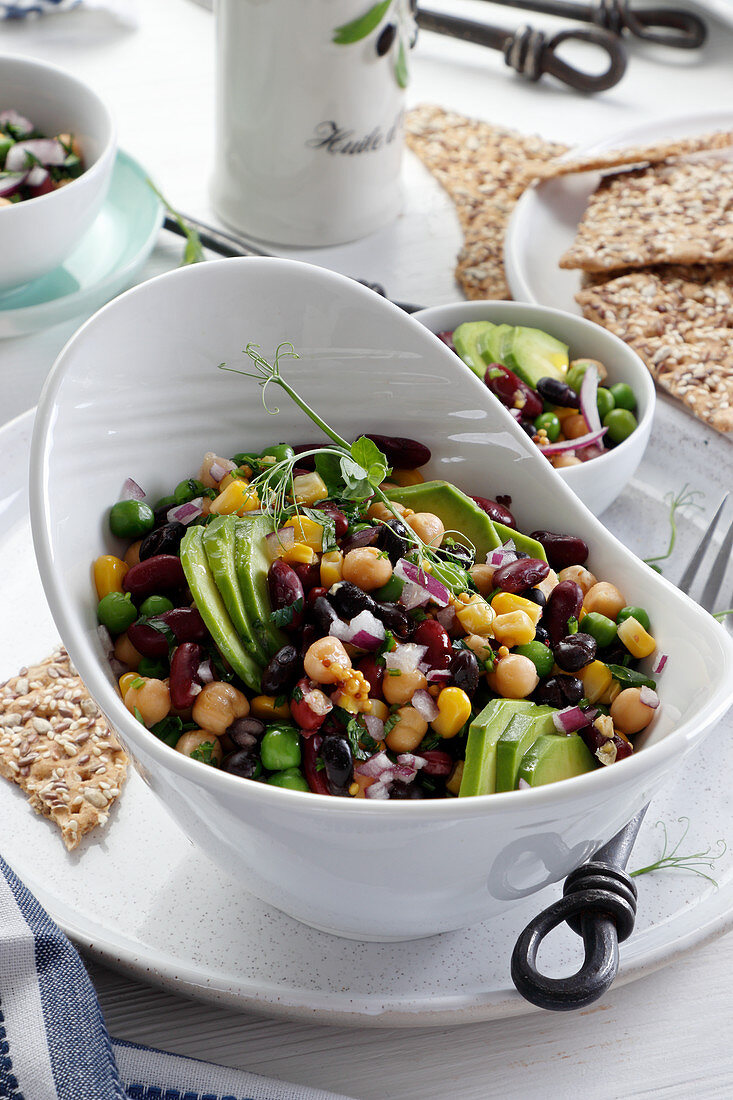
[(600, 480), (360, 868), (38, 234)]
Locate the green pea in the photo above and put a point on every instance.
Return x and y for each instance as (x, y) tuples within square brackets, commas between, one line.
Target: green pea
[(188, 489), (165, 502), (116, 611), (605, 402), (637, 613), (540, 656), (156, 670), (155, 605), (391, 591), (599, 627), (623, 395), (550, 422), (290, 778), (131, 519), (281, 452), (620, 423), (280, 748)]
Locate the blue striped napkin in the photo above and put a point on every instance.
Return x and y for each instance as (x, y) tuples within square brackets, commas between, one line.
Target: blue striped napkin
[(54, 1044)]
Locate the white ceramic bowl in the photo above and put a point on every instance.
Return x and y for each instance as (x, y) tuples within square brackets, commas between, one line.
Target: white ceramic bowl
[(38, 234), (137, 393), (600, 480)]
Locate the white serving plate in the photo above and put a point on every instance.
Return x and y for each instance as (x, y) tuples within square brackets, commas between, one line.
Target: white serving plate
[(550, 212), (122, 895)]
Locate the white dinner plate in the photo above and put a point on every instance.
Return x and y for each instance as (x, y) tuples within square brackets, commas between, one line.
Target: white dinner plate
[(543, 224), (138, 896)]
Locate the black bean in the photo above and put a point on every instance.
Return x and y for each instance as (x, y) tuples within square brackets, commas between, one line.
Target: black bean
[(557, 393), (323, 614), (242, 763), (281, 670), (394, 618), (536, 595), (165, 540), (246, 732), (393, 539), (457, 554), (336, 755), (349, 600), (406, 792), (541, 635), (465, 671), (559, 691), (575, 651)]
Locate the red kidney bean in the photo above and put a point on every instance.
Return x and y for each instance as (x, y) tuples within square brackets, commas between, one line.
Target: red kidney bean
[(285, 590), (575, 651), (517, 576), (562, 550), (184, 678), (309, 706), (557, 393), (374, 676), (310, 574), (340, 521), (496, 511), (315, 594), (437, 762), (439, 649), (185, 623), (564, 603), (281, 670), (316, 780), (464, 671), (447, 338), (512, 391), (595, 740), (154, 575), (405, 454)]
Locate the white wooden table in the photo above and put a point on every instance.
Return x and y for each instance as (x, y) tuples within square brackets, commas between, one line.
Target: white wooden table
[(668, 1035)]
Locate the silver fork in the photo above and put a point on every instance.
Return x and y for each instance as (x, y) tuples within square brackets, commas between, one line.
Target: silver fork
[(599, 898)]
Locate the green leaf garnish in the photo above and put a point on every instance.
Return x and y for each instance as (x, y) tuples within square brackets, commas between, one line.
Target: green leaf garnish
[(284, 616), (692, 862), (205, 753), (400, 69), (362, 26), (631, 676), (193, 251), (684, 499), (168, 729)]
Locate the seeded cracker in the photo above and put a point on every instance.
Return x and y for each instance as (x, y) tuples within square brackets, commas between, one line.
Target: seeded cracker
[(57, 747), (680, 321), (664, 214), (636, 154), (484, 169)]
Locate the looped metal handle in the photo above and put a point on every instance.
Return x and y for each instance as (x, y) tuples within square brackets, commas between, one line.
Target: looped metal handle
[(529, 53), (665, 26)]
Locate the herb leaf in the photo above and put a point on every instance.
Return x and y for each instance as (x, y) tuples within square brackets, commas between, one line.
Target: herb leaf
[(204, 752), (400, 69), (283, 616), (361, 27), (193, 251), (631, 676)]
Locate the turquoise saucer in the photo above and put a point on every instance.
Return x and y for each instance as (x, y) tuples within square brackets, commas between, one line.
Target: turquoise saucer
[(107, 259)]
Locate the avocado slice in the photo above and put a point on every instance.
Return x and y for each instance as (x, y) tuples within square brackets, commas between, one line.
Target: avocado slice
[(466, 342), (555, 756), (491, 344), (213, 609), (522, 542), (252, 565), (219, 541), (479, 770), (533, 354), (518, 736), (457, 511)]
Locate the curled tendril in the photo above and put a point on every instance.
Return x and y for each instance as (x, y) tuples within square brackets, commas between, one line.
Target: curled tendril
[(692, 862)]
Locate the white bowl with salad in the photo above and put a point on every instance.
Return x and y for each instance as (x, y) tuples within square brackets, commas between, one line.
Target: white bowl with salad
[(57, 150), (371, 720), (584, 397)]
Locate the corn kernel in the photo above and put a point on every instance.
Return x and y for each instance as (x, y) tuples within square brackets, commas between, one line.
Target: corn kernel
[(505, 602), (454, 783), (597, 679), (126, 681), (236, 499), (307, 530), (309, 488), (406, 477), (638, 642), (263, 706), (455, 709), (109, 572), (378, 709), (331, 568), (475, 615), (227, 480), (514, 628), (610, 694), (299, 554)]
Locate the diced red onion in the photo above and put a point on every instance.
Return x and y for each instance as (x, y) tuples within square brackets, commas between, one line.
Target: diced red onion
[(438, 675), (573, 444), (195, 688), (374, 726), (436, 591), (221, 468), (365, 631), (118, 667), (523, 785), (648, 697), (318, 702), (279, 541), (48, 151), (10, 183), (132, 491), (205, 672), (589, 398), (37, 176), (573, 718), (407, 767), (377, 790), (447, 617), (375, 766), (405, 657), (661, 662), (16, 120), (412, 595), (425, 705), (106, 639), (503, 555), (186, 513)]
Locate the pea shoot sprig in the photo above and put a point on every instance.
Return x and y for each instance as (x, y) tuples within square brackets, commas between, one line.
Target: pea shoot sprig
[(694, 861), (684, 499), (351, 471)]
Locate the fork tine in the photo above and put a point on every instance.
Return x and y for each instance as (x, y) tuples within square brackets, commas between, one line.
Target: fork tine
[(717, 572), (685, 581)]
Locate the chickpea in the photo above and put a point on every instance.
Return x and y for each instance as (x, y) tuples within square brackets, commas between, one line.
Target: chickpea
[(427, 527), (560, 462), (325, 659), (205, 472), (125, 651), (5, 202), (368, 567), (575, 426), (483, 578), (132, 554), (628, 713), (193, 739), (602, 372), (151, 699), (217, 705), (604, 598), (381, 511), (515, 677), (582, 577), (408, 732), (400, 689)]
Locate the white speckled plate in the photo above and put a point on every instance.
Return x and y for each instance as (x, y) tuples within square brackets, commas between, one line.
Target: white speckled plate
[(142, 899)]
